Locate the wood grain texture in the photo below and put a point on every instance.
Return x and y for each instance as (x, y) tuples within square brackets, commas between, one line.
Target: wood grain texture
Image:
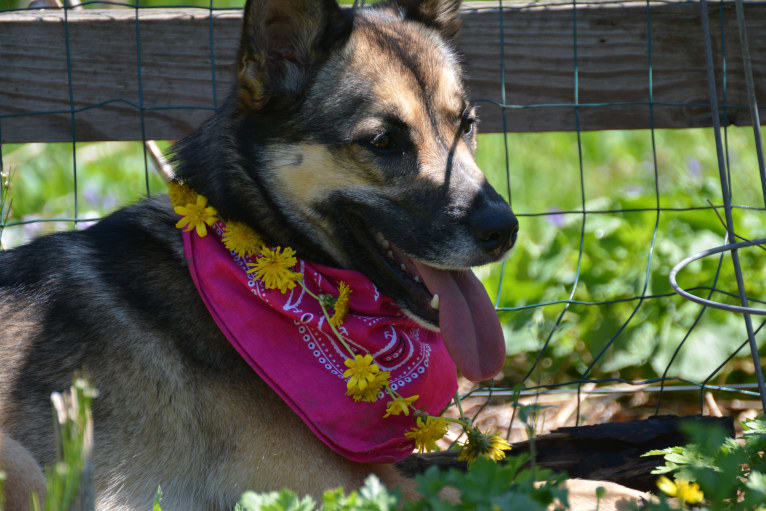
[(176, 63), (608, 452)]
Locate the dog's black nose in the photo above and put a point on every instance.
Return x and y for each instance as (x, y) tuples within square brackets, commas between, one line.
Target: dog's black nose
[(495, 227)]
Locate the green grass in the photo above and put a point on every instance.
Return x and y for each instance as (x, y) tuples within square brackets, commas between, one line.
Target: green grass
[(618, 173)]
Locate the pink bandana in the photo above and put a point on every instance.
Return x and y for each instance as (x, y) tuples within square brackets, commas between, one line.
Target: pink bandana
[(285, 339)]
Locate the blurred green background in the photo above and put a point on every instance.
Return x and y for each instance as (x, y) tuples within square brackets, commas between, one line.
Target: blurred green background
[(543, 174)]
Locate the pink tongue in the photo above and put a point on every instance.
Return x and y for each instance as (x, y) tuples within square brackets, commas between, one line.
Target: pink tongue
[(468, 322)]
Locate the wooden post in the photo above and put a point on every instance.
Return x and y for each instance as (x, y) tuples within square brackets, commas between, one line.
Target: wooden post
[(177, 67)]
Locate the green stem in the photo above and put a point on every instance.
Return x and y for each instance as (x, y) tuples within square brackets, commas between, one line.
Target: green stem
[(459, 406), (532, 450), (462, 423), (311, 293), (335, 330), (327, 317)]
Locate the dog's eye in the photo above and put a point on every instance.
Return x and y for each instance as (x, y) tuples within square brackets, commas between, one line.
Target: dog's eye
[(381, 141), (468, 124)]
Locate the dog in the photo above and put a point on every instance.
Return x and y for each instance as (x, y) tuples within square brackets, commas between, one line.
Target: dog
[(346, 129), (343, 123)]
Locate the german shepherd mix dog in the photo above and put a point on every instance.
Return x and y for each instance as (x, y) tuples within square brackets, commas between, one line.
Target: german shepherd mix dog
[(344, 123), (346, 129)]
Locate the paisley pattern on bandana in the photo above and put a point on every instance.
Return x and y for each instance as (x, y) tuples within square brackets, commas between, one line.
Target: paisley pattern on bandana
[(286, 339)]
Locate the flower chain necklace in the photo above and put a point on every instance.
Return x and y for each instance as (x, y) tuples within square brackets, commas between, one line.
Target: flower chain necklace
[(274, 267)]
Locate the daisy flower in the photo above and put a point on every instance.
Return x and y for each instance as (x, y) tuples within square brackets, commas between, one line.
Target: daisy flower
[(360, 373), (273, 268), (400, 405), (340, 309), (196, 215), (241, 239), (480, 445), (370, 393), (425, 434), (180, 194), (686, 492)]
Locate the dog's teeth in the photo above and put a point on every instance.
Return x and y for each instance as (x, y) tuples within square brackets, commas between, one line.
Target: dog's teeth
[(416, 278), (435, 302), (404, 268), (382, 241), (390, 254)]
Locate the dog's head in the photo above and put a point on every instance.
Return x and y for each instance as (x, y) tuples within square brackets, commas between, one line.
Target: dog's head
[(356, 139)]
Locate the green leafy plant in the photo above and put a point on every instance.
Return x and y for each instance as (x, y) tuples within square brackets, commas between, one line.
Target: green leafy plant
[(485, 486), (5, 203), (373, 496), (66, 478), (491, 486), (730, 473)]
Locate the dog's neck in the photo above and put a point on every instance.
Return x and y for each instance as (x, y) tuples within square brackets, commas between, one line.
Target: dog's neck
[(220, 161)]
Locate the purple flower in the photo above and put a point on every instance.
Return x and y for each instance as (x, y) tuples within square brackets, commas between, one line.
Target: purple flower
[(555, 217), (694, 167)]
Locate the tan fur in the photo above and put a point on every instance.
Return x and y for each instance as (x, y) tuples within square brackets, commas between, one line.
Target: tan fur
[(398, 90), (305, 174), (310, 172), (23, 475)]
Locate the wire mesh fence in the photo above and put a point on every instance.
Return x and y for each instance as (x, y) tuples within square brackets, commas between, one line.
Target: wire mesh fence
[(643, 313)]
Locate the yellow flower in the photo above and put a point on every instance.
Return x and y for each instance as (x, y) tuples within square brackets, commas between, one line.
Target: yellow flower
[(497, 447), (425, 434), (365, 379), (370, 393), (360, 373), (484, 446), (195, 215), (400, 405), (180, 194), (274, 268), (340, 309), (241, 239), (686, 492)]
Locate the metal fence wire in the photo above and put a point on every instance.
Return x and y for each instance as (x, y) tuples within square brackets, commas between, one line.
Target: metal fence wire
[(529, 383)]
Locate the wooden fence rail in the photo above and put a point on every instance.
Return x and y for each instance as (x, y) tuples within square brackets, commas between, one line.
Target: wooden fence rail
[(174, 89)]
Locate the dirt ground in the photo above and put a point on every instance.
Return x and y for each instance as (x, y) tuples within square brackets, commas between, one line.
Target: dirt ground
[(621, 403)]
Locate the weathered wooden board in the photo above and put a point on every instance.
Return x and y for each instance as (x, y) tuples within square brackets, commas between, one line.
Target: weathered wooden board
[(175, 85)]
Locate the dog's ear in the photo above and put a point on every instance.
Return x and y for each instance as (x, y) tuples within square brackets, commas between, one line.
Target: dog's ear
[(442, 15), (282, 42)]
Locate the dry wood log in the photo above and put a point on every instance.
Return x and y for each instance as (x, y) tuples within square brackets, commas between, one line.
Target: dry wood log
[(608, 452)]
